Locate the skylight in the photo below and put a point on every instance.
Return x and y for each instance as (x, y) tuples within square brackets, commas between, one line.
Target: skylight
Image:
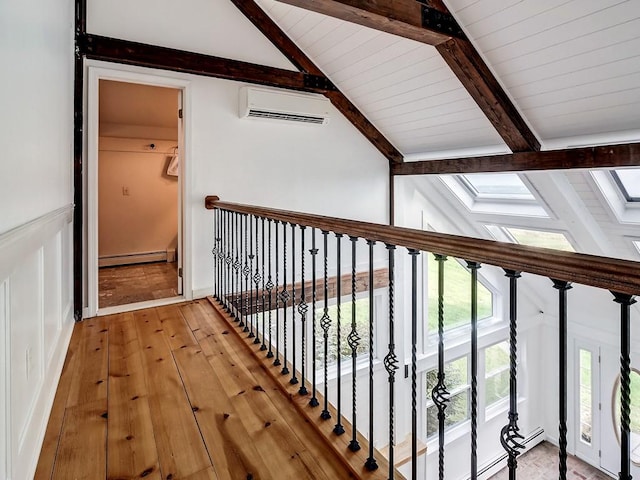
[(629, 182), (538, 238), (506, 186), (636, 243), (533, 238)]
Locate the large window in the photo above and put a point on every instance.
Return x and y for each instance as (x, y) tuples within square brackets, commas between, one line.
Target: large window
[(533, 238), (496, 360), (457, 295), (457, 382), (362, 327), (629, 182)]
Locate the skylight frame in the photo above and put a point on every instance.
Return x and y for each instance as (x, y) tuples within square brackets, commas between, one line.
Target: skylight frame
[(623, 188), (467, 183)]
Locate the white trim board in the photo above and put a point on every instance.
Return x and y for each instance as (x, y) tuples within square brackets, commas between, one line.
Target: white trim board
[(96, 71)]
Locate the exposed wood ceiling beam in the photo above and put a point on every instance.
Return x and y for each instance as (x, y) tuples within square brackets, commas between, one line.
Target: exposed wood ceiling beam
[(298, 58), (140, 54), (610, 156), (431, 23)]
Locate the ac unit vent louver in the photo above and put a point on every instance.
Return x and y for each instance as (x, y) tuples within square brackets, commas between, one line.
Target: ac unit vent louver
[(283, 105)]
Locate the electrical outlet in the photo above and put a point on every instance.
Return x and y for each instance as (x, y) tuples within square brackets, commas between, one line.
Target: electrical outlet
[(125, 191)]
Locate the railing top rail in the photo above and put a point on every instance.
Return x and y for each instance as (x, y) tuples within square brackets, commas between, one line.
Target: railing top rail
[(622, 276)]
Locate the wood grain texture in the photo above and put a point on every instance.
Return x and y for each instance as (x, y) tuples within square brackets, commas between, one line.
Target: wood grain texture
[(607, 273), (144, 55), (173, 407), (609, 156), (297, 57), (174, 425)]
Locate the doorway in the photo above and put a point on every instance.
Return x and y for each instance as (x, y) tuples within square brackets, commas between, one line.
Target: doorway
[(135, 224)]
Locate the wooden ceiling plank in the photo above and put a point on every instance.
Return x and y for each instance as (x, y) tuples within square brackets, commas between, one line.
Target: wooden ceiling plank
[(140, 54), (609, 156), (298, 58), (430, 22)]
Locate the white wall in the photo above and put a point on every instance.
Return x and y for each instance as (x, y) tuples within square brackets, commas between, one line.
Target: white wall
[(36, 315)]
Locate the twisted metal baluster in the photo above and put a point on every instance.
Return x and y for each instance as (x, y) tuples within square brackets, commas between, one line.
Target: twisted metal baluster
[(229, 262), (236, 267), (269, 286), (414, 362), (473, 267), (240, 292), (263, 347), (439, 394), (246, 271), (294, 379), (354, 341), (391, 360), (510, 436), (625, 302), (214, 252), (562, 288), (313, 402), (284, 297), (252, 307), (276, 362), (325, 324), (371, 463), (256, 281), (338, 429), (303, 309)]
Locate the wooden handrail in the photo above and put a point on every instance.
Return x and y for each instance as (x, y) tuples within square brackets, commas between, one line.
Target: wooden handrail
[(612, 274)]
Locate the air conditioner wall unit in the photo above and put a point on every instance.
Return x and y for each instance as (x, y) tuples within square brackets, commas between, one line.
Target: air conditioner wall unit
[(284, 105)]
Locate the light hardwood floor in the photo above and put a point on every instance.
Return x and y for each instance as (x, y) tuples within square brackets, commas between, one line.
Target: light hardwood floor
[(136, 283), (170, 393)]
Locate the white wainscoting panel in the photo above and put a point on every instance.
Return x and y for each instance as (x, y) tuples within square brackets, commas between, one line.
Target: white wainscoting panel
[(36, 321)]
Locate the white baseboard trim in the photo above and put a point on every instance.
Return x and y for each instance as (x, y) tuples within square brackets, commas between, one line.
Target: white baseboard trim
[(202, 292)]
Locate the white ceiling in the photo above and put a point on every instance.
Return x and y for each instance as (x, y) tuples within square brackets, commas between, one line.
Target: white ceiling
[(572, 68)]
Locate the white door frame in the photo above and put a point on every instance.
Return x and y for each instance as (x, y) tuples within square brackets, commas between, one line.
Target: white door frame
[(96, 71)]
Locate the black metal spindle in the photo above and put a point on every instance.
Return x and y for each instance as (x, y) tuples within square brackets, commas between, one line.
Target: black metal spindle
[(510, 436), (252, 305), (236, 267), (276, 362), (227, 261), (391, 360), (473, 268), (246, 271), (325, 324), (354, 342), (256, 281), (414, 362), (263, 347), (313, 402), (440, 394), (625, 302), (269, 287), (214, 251), (302, 309), (284, 297), (371, 463), (562, 288), (294, 378), (338, 429)]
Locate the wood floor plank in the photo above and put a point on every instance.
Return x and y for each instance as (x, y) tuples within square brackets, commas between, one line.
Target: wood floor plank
[(90, 383), (131, 443), (175, 327), (221, 426), (46, 461), (259, 414), (82, 451), (181, 450), (208, 474)]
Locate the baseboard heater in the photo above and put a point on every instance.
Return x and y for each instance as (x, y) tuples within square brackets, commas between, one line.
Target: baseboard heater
[(168, 255)]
